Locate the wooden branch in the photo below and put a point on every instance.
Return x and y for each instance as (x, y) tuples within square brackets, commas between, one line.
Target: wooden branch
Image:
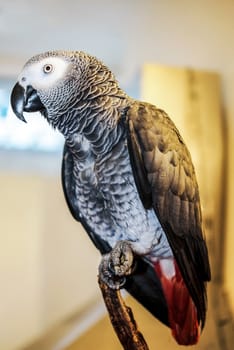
[(122, 319)]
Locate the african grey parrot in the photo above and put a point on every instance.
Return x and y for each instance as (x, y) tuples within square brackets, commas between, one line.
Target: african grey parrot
[(129, 179)]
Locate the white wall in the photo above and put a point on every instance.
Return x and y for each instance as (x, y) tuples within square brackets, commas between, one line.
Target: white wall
[(20, 259), (48, 266)]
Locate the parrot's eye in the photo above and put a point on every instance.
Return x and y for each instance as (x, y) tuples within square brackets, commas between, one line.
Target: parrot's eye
[(48, 68)]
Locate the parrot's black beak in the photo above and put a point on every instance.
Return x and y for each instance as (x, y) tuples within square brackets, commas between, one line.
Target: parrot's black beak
[(25, 100)]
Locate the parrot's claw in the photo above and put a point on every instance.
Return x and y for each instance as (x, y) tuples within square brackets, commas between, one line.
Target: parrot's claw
[(121, 259), (117, 264), (108, 276)]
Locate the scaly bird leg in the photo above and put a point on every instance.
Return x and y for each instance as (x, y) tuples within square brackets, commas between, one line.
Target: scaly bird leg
[(116, 265)]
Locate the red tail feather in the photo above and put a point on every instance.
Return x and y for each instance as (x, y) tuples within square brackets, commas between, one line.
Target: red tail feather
[(182, 312)]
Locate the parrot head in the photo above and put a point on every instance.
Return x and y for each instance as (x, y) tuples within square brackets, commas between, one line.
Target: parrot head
[(55, 82)]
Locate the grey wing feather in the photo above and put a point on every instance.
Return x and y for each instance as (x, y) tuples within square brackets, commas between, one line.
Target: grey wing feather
[(165, 166), (69, 183)]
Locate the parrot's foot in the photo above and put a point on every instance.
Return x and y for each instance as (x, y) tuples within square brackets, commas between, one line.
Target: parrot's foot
[(116, 265)]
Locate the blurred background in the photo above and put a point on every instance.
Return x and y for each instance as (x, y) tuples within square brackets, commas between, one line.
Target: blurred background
[(177, 54)]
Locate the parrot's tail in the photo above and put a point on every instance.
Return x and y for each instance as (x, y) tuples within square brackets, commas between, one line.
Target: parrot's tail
[(182, 312)]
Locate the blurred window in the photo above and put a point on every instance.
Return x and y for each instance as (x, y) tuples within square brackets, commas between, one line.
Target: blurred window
[(14, 134)]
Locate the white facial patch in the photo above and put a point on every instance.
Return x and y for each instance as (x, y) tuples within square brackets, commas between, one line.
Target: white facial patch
[(44, 74)]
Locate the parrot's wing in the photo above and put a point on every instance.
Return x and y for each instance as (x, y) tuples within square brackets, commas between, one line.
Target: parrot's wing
[(166, 182), (69, 184), (143, 284)]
